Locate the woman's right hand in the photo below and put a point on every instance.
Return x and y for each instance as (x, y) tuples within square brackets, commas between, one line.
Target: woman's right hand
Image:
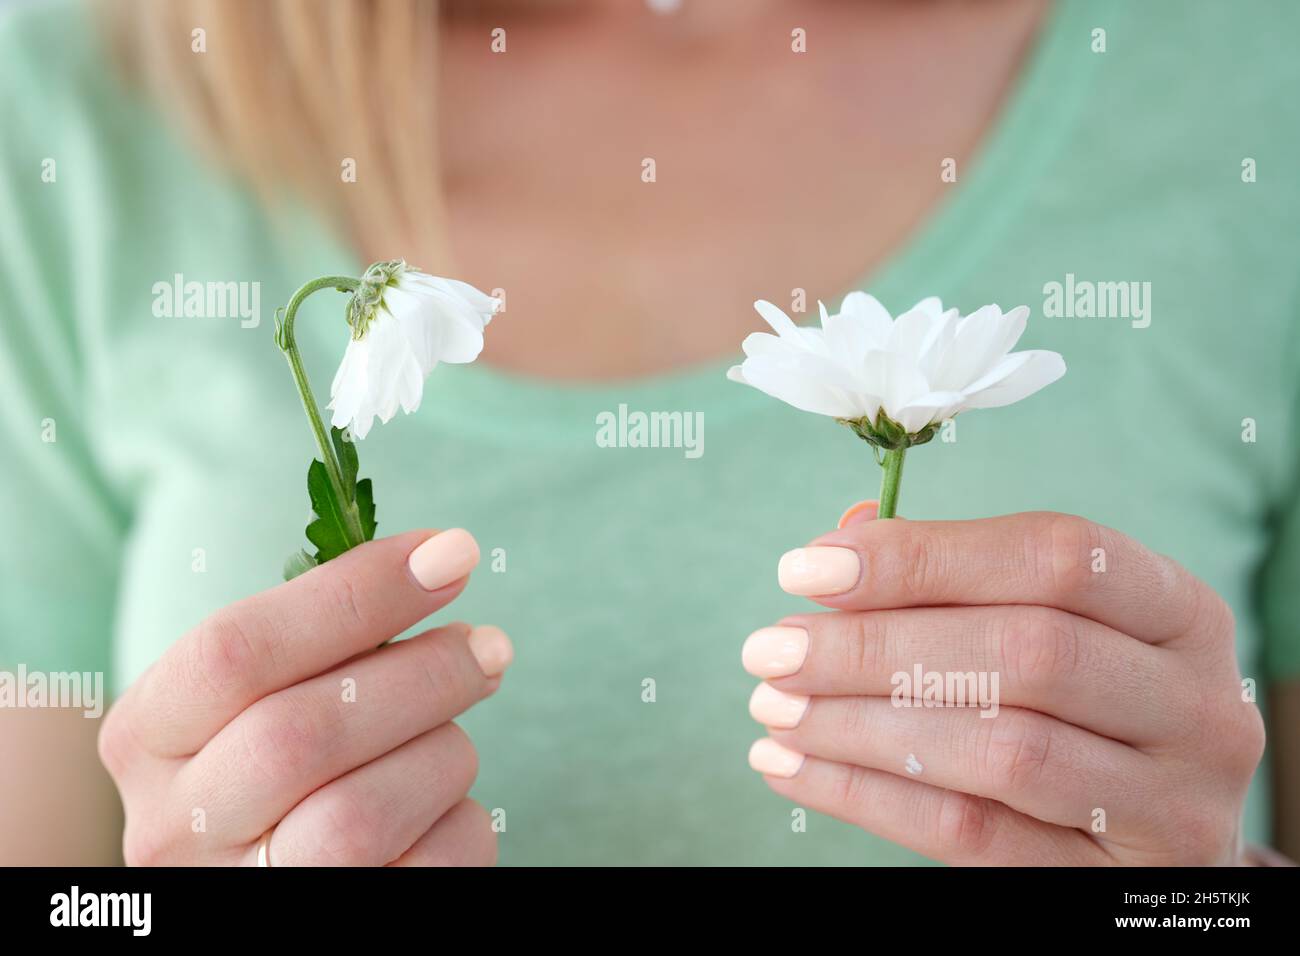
[(279, 712)]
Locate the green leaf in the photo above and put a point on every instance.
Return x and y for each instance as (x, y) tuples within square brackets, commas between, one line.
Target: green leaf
[(300, 562), (366, 508), (346, 450), (328, 528), (328, 531)]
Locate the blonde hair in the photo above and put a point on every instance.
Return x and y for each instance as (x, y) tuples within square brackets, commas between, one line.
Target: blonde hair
[(286, 91)]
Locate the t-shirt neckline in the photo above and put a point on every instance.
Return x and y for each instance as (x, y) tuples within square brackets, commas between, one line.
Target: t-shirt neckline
[(943, 249)]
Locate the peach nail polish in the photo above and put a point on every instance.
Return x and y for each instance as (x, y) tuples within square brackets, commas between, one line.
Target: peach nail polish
[(492, 649), (446, 557), (815, 571), (775, 651), (770, 758), (862, 511), (774, 708)]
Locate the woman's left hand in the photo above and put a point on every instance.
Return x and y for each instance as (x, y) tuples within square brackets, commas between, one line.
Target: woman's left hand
[(1105, 719)]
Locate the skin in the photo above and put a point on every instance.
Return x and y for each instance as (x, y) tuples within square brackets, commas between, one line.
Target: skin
[(542, 168), (773, 170), (245, 719), (1118, 691), (865, 166)]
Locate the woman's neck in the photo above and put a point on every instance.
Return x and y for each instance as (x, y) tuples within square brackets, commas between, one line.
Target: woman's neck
[(772, 169)]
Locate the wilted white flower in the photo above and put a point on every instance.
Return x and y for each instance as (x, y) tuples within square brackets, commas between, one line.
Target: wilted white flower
[(919, 369), (404, 322)]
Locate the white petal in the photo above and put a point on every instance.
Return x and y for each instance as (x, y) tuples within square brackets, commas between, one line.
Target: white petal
[(479, 301), (410, 386), (872, 316), (458, 310), (1006, 366), (931, 306), (765, 343), (943, 333), (351, 371), (915, 417), (781, 323), (809, 339), (393, 367), (922, 368), (347, 391), (847, 338), (462, 342), (422, 320), (895, 379), (389, 354), (358, 425), (1039, 369), (796, 384), (910, 333), (417, 314), (931, 407), (813, 365), (982, 339)]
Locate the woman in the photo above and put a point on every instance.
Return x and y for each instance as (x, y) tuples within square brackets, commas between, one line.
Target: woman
[(632, 180)]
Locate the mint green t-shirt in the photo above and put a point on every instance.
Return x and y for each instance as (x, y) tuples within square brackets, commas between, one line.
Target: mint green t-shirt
[(153, 468)]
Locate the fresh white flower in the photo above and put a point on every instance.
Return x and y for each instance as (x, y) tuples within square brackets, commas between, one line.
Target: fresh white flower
[(404, 323), (919, 369)]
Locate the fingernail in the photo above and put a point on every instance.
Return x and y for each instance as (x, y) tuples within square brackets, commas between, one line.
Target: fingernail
[(775, 651), (769, 757), (446, 557), (862, 511), (491, 648), (809, 572), (774, 708)]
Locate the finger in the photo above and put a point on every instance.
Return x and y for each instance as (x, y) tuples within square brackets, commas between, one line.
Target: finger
[(944, 825), (374, 814), (1033, 657), (464, 837), (294, 631), (285, 746), (1042, 767), (1048, 559)]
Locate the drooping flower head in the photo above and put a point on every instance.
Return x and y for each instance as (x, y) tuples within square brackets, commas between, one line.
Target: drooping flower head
[(894, 381), (404, 322)]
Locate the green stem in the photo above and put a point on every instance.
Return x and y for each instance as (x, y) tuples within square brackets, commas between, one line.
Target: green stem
[(890, 481), (284, 338)]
